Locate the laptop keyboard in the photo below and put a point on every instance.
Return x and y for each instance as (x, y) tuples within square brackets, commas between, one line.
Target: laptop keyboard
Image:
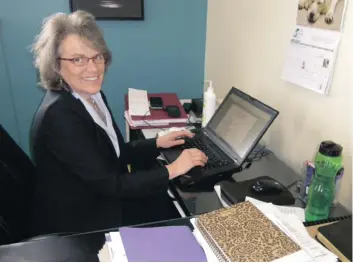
[(214, 160)]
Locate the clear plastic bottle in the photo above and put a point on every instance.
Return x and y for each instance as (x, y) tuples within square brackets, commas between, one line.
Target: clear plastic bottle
[(328, 162)]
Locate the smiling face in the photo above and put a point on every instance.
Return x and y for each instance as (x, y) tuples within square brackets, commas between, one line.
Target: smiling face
[(86, 79)]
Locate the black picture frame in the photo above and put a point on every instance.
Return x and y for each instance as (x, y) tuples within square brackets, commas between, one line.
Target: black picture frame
[(111, 9)]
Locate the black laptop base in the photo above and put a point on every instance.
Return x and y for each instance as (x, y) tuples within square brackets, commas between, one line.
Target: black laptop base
[(200, 182), (218, 162)]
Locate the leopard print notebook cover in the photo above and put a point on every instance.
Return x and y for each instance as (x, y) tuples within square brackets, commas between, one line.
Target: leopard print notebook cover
[(242, 233)]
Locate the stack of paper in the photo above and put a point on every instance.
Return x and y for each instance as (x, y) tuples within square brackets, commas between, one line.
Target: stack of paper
[(138, 102)]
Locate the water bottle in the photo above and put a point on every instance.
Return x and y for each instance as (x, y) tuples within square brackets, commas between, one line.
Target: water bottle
[(328, 162)]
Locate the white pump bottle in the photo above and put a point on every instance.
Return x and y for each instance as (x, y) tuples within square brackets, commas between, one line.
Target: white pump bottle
[(209, 104)]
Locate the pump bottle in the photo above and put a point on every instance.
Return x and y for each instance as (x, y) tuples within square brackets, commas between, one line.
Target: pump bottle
[(209, 104)]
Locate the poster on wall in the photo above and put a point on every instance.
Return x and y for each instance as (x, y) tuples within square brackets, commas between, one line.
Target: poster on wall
[(313, 47)]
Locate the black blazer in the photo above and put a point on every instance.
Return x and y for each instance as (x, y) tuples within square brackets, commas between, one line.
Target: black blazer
[(81, 184)]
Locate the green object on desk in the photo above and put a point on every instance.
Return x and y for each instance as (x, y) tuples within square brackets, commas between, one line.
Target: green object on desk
[(328, 162)]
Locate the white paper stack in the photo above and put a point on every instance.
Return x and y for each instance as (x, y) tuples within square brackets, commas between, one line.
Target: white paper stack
[(138, 103), (113, 249)]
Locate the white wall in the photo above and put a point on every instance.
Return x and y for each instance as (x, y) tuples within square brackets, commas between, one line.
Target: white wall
[(246, 46)]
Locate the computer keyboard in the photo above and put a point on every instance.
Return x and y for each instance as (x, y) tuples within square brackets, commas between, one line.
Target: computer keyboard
[(214, 160)]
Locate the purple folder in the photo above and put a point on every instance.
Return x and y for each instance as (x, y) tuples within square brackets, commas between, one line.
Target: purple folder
[(166, 244)]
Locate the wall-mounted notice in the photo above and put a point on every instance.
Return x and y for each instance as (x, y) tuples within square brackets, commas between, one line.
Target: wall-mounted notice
[(311, 55)]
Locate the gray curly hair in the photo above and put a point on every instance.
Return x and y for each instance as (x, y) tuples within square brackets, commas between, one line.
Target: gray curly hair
[(54, 29)]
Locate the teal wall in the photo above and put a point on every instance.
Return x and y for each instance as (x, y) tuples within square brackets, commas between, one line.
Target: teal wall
[(165, 52)]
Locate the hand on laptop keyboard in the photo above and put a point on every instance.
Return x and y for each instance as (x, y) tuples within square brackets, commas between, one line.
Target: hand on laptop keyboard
[(214, 160), (188, 159)]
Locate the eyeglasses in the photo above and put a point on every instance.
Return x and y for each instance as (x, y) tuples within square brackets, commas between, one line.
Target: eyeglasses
[(83, 61)]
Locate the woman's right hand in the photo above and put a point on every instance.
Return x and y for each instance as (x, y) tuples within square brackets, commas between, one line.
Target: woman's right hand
[(188, 159)]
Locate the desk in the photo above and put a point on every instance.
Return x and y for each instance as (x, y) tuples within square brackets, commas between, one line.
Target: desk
[(194, 203), (80, 247)]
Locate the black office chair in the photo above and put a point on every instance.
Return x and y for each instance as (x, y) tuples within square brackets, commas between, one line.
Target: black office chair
[(17, 180), (16, 188)]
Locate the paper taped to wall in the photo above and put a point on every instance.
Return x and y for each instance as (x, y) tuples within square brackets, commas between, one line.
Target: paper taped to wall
[(311, 57)]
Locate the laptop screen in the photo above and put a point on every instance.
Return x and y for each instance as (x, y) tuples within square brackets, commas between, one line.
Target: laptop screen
[(240, 121)]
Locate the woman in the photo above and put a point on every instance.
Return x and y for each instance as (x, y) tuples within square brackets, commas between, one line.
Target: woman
[(81, 158)]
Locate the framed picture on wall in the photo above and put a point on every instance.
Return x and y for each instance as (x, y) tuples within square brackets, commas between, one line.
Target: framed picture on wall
[(111, 9)]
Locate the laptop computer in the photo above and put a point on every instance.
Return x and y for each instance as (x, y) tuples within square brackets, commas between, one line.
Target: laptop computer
[(229, 137)]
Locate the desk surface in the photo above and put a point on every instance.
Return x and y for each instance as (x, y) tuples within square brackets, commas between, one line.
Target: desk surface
[(198, 202), (80, 247), (194, 203)]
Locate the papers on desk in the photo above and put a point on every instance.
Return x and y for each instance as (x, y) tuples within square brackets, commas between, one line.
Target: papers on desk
[(297, 211), (288, 220), (138, 103), (138, 114), (153, 244), (115, 248), (288, 210), (291, 225)]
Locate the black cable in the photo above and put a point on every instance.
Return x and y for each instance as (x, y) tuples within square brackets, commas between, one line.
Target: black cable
[(303, 202), (154, 127), (290, 185), (257, 154)]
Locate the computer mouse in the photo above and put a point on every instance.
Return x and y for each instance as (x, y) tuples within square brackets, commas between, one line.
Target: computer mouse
[(267, 186), (173, 111)]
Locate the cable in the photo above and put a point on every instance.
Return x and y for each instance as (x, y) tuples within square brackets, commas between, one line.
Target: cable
[(189, 121), (154, 127), (257, 154), (192, 123), (303, 202), (290, 185)]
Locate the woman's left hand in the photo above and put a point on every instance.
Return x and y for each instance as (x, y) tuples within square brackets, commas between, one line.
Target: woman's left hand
[(173, 138)]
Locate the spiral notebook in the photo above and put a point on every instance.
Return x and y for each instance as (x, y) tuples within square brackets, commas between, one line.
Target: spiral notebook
[(243, 233)]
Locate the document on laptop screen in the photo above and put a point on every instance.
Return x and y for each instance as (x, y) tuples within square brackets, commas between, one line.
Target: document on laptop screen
[(239, 123)]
